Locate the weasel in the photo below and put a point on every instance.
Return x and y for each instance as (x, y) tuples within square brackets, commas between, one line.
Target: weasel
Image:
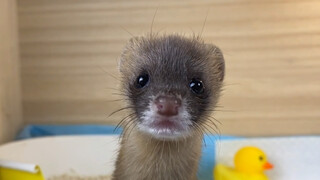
[(172, 84)]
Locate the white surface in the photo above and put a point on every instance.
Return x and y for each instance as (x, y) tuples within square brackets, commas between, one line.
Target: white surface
[(81, 155), (294, 158), (32, 168)]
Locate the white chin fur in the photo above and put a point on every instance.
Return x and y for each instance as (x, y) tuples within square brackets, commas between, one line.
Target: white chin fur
[(182, 124), (164, 133)]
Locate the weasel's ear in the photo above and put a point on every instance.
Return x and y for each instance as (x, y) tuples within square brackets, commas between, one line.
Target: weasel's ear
[(128, 53), (217, 59)]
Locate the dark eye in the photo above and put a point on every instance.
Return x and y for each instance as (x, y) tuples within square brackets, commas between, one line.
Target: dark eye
[(142, 80), (196, 86), (260, 158)]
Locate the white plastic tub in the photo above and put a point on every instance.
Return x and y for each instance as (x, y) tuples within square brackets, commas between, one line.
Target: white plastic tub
[(88, 156), (295, 158)]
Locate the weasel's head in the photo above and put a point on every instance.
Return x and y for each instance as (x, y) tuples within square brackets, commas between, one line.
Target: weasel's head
[(171, 82)]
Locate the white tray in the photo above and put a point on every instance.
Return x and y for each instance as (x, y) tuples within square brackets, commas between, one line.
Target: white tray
[(80, 155)]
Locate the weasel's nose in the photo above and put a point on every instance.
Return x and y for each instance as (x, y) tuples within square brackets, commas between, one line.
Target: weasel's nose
[(167, 105)]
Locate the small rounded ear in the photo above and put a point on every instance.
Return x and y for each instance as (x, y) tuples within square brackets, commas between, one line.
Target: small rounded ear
[(215, 54), (127, 53)]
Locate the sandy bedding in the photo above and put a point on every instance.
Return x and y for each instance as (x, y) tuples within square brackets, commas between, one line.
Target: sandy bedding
[(72, 177)]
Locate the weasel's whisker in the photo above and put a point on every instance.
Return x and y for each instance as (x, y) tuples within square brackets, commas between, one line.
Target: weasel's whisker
[(123, 28), (199, 131), (111, 88), (132, 126), (109, 74), (126, 126), (122, 121), (213, 119), (121, 109), (219, 110), (154, 16), (207, 127), (119, 94), (116, 100), (204, 23)]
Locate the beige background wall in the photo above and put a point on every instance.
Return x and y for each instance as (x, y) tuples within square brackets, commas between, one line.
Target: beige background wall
[(272, 49), (10, 100)]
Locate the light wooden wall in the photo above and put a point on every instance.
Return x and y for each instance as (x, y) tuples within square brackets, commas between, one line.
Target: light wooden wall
[(10, 99), (69, 48)]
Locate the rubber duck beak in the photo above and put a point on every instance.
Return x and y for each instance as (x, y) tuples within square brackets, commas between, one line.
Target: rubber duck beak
[(267, 165)]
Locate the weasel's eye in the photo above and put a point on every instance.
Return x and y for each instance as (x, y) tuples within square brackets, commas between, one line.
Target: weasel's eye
[(142, 80), (196, 86)]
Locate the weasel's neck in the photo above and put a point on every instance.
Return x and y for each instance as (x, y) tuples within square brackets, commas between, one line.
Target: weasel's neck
[(142, 157)]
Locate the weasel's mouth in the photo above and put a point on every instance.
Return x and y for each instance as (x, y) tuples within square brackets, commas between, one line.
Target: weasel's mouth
[(165, 124), (166, 128)]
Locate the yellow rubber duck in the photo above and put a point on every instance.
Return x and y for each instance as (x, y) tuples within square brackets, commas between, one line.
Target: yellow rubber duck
[(250, 162)]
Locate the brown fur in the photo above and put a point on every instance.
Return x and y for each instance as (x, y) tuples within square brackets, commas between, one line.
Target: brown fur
[(143, 158), (171, 61)]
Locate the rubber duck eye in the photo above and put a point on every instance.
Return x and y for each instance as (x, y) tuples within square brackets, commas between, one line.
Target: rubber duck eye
[(142, 80), (260, 158), (196, 86)]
